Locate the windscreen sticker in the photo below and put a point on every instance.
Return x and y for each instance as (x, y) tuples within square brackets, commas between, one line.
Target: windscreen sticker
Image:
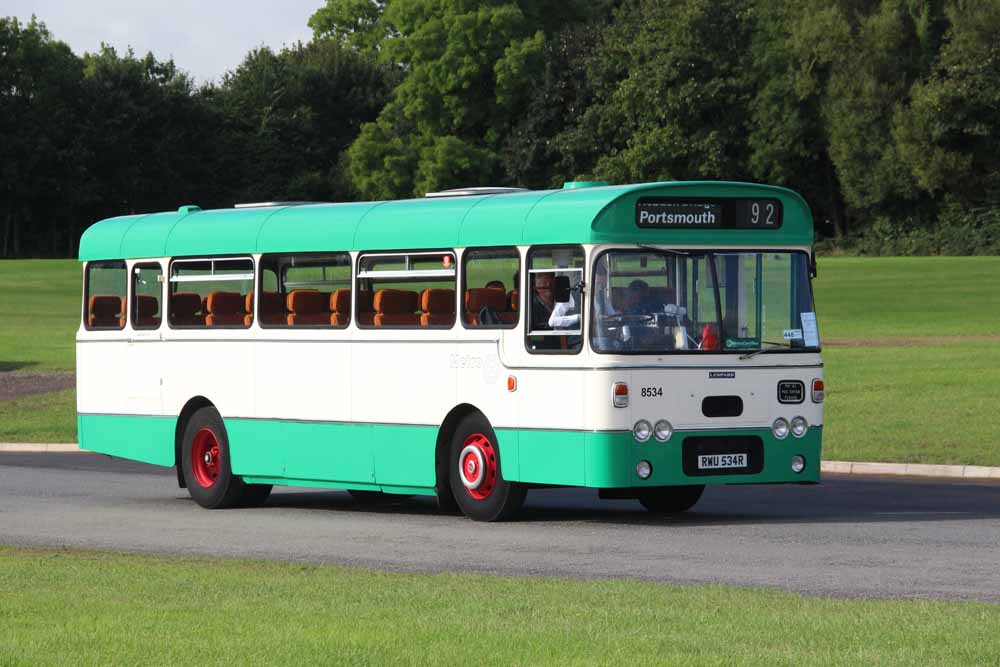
[(743, 343), (809, 330), (792, 334)]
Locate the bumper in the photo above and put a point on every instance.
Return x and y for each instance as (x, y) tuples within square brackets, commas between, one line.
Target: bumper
[(608, 460)]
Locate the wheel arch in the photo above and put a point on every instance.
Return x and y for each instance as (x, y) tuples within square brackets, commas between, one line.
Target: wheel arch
[(445, 497), (192, 406)]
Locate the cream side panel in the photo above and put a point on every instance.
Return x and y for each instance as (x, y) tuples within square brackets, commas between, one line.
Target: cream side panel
[(222, 370), (304, 379), (410, 382), (551, 398), (482, 382), (102, 373)]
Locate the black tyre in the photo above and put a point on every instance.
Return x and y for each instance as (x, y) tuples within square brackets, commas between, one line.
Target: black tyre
[(671, 499), (205, 460), (476, 476)]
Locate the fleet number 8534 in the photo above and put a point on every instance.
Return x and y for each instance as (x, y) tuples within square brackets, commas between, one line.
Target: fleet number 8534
[(649, 392)]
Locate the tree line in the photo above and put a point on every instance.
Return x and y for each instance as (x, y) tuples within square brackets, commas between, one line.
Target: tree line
[(882, 113)]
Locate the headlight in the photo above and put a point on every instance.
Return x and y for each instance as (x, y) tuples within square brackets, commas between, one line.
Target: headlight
[(798, 464), (642, 430), (663, 430), (644, 469), (799, 426), (780, 428)]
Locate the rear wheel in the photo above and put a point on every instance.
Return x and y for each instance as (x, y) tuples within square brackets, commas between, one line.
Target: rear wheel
[(671, 499), (476, 476), (205, 460)]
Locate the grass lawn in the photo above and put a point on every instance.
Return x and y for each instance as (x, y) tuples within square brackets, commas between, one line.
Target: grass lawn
[(40, 313), (39, 418), (866, 298), (913, 404), (99, 608)]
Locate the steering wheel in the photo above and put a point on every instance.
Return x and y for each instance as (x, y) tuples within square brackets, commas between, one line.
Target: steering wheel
[(630, 319)]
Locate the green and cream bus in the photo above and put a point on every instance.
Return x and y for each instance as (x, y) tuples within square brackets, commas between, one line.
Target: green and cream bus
[(644, 340)]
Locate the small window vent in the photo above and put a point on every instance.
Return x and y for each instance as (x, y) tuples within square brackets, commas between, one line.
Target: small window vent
[(469, 192), (268, 204)]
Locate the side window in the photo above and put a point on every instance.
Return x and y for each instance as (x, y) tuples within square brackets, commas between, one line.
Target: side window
[(104, 295), (147, 295), (211, 293), (305, 290), (490, 278), (555, 300), (404, 290)]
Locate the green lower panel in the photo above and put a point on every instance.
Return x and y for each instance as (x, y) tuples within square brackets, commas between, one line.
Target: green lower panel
[(350, 454), (608, 460), (400, 459), (140, 438), (301, 450)]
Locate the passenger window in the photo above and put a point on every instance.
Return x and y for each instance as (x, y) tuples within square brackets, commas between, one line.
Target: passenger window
[(210, 293), (305, 290), (147, 293), (491, 278), (104, 295), (555, 300), (404, 290)]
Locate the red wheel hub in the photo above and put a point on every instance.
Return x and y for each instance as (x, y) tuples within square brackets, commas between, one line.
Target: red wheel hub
[(205, 457), (477, 466)]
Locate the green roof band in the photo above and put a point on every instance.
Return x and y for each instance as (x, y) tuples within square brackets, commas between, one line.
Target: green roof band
[(594, 214)]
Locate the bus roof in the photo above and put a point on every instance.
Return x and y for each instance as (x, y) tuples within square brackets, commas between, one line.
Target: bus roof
[(604, 214)]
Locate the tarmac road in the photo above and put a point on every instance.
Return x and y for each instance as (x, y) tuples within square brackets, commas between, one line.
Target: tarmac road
[(848, 537)]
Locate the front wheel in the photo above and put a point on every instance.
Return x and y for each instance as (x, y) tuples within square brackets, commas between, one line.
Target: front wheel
[(671, 499), (205, 461), (476, 476)]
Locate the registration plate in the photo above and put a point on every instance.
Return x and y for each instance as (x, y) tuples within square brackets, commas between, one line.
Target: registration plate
[(712, 461)]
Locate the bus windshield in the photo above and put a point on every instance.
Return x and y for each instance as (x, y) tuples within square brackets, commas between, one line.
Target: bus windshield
[(653, 301)]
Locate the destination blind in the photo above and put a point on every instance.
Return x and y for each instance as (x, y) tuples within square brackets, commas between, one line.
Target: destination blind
[(708, 213)]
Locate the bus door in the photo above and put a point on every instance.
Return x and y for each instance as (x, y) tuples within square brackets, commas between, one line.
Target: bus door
[(144, 378)]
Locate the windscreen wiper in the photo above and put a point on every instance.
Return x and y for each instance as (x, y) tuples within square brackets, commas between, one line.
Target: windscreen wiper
[(750, 355), (669, 251)]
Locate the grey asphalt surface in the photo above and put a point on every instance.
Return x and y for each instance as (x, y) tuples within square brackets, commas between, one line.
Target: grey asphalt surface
[(848, 537)]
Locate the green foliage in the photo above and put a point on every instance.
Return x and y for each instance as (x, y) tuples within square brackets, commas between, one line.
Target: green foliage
[(288, 117), (469, 68), (354, 22), (678, 109), (882, 113), (40, 154), (948, 137)]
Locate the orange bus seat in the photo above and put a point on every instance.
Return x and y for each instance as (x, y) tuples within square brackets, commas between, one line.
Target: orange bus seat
[(366, 308), (184, 309), (340, 307), (225, 308), (438, 306), (396, 308), (147, 307), (512, 304), (272, 308), (106, 310), (477, 298), (307, 307)]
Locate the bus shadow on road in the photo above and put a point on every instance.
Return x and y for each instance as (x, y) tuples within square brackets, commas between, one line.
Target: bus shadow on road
[(837, 501)]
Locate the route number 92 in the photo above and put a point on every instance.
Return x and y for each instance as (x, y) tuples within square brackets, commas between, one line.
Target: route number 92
[(649, 392)]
